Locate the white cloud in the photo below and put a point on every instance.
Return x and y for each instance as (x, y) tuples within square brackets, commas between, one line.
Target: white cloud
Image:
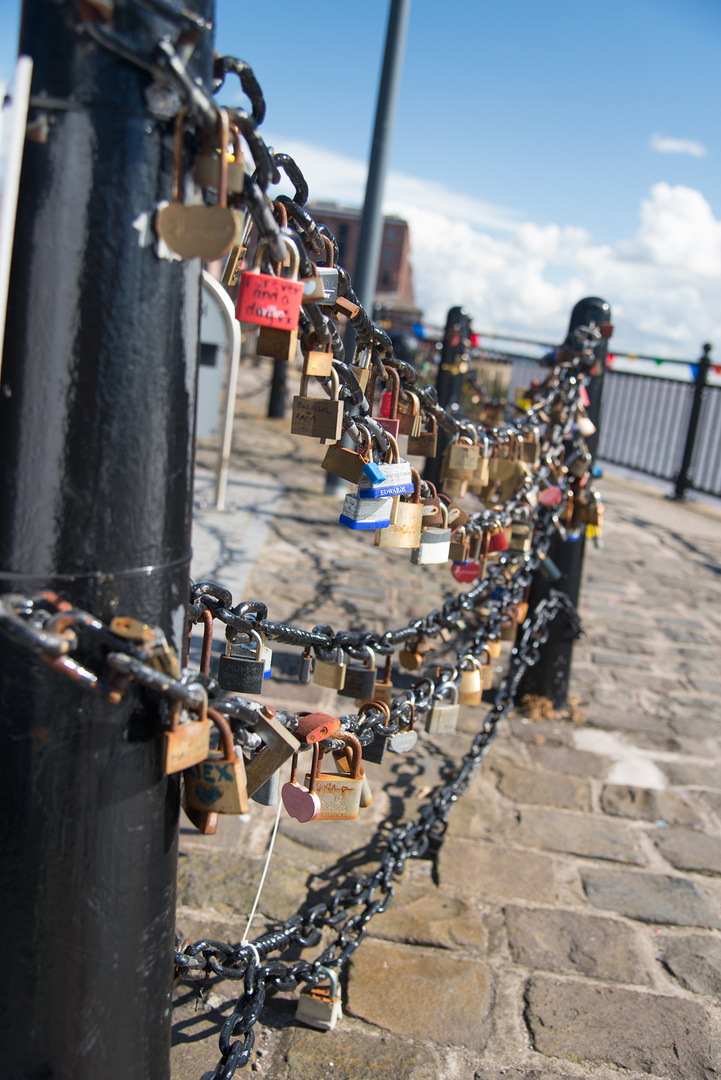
[(665, 144), (662, 284)]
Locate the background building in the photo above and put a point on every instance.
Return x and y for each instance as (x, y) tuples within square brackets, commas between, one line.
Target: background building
[(394, 298)]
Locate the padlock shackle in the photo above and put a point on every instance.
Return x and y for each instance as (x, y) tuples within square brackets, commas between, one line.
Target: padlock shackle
[(469, 663), (225, 734), (380, 706), (416, 496), (353, 743), (177, 706)]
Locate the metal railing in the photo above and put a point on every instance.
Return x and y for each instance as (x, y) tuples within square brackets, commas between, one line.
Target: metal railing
[(663, 427)]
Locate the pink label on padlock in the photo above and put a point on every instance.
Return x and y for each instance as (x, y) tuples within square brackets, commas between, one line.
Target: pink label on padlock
[(551, 496), (265, 300), (466, 571), (384, 408)]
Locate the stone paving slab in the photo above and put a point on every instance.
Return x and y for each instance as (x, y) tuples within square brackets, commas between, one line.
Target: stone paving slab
[(570, 924)]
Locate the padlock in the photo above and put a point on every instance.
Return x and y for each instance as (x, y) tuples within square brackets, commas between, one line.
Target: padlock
[(353, 465), (397, 478), (388, 411), (375, 751), (245, 651), (188, 743), (584, 425), (486, 663), (383, 690), (461, 457), (470, 686), (330, 673), (318, 1007), (269, 791), (360, 679), (243, 674), (409, 414), (443, 716), (459, 545), (406, 737), (365, 514), (278, 746), (494, 646), (405, 532), (319, 418), (457, 516), (522, 531), (264, 299), (305, 669), (218, 784), (329, 279), (302, 803), (205, 232), (312, 727), (531, 446), (318, 363), (339, 795), (207, 165), (435, 543), (433, 508), (426, 442), (361, 365), (344, 766), (480, 477)]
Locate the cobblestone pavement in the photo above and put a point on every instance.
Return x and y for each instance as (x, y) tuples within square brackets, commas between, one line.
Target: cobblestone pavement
[(569, 925)]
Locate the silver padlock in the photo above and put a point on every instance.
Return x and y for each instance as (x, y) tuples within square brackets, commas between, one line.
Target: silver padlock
[(360, 513), (435, 543), (269, 792), (243, 674), (443, 717), (329, 278), (405, 739), (360, 678), (318, 1007), (397, 478)]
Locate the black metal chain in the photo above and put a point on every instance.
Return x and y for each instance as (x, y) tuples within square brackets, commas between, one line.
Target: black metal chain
[(352, 907)]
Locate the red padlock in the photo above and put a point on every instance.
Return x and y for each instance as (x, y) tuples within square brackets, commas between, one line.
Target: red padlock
[(267, 300)]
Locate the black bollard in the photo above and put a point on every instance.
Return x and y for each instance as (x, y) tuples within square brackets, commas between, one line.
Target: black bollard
[(549, 677), (451, 376), (96, 475)]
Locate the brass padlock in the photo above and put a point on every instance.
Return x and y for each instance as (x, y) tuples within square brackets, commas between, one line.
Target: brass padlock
[(186, 744), (339, 795), (405, 532), (318, 418), (470, 686), (330, 673), (205, 232), (218, 784)]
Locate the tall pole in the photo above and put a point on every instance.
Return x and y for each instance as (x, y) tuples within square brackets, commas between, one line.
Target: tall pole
[(96, 471), (550, 676), (371, 228)]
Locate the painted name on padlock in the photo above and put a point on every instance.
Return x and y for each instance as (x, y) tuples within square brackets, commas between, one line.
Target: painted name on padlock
[(267, 301), (379, 491), (212, 772)]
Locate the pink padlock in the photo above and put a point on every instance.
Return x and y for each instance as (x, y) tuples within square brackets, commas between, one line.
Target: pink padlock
[(301, 803)]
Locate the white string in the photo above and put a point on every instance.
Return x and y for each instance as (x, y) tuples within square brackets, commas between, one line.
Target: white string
[(245, 941)]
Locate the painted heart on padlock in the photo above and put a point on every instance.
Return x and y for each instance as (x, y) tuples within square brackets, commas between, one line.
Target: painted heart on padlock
[(466, 571), (301, 804), (207, 795), (552, 496), (402, 741)]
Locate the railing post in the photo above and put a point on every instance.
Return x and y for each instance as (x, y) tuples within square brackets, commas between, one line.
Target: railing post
[(451, 375), (96, 480), (549, 677), (683, 481)]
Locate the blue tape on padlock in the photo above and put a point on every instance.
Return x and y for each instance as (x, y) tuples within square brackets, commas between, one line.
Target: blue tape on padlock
[(350, 523), (374, 472)]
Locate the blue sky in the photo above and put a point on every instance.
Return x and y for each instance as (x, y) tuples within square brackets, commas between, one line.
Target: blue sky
[(542, 151)]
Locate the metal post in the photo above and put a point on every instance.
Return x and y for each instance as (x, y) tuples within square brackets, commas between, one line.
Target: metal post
[(683, 481), (371, 227), (549, 677), (96, 476), (276, 402), (451, 374)]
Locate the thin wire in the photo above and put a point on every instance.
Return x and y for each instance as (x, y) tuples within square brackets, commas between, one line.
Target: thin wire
[(262, 879)]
